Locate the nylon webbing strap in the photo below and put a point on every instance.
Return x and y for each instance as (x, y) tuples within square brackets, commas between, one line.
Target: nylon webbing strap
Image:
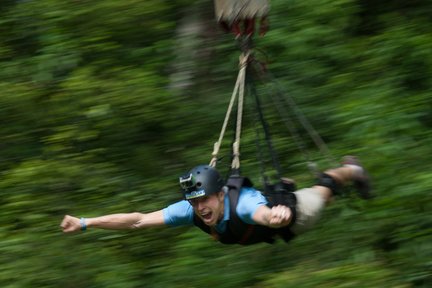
[(267, 135), (280, 101), (238, 91)]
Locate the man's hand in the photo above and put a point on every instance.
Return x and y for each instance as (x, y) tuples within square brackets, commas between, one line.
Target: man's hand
[(120, 221), (70, 224), (275, 217), (279, 216)]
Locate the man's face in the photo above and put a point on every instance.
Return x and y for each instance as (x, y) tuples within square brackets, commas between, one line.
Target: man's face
[(209, 208)]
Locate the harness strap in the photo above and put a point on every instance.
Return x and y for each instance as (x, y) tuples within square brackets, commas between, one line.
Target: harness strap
[(247, 234), (267, 135), (285, 105), (239, 232), (244, 231)]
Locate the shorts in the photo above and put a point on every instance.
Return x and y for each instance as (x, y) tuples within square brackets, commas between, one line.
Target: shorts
[(310, 203)]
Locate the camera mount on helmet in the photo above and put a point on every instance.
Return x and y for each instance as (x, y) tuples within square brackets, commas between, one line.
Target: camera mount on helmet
[(203, 180)]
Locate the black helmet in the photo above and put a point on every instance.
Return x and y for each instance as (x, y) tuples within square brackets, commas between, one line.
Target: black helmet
[(202, 180)]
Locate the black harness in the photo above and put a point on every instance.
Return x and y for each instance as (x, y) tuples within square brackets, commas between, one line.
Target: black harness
[(239, 232)]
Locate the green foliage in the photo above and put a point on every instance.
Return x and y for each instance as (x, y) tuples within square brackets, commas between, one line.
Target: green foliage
[(104, 103)]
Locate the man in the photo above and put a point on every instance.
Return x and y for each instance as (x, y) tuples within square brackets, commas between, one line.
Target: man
[(235, 212)]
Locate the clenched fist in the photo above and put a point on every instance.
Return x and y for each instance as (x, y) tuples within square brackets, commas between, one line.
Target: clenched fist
[(280, 215), (70, 224)]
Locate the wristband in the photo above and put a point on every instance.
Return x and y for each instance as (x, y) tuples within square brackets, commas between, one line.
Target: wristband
[(83, 224)]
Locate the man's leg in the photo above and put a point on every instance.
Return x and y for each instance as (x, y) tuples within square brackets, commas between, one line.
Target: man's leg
[(341, 177), (311, 201), (352, 172)]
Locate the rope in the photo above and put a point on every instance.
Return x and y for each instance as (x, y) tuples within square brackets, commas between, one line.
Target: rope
[(236, 146), (279, 102), (238, 89)]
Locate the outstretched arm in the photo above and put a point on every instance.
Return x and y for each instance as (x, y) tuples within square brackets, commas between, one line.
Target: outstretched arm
[(275, 217), (114, 221)]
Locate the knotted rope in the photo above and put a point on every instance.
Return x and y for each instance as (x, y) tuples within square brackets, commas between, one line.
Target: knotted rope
[(238, 91)]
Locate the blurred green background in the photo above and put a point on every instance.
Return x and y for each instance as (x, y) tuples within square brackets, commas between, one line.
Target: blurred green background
[(104, 103)]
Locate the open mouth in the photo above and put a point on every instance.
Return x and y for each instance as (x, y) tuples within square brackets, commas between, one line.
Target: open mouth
[(206, 216)]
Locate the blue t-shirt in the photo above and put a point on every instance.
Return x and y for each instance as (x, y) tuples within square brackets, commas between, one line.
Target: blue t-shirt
[(181, 213)]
